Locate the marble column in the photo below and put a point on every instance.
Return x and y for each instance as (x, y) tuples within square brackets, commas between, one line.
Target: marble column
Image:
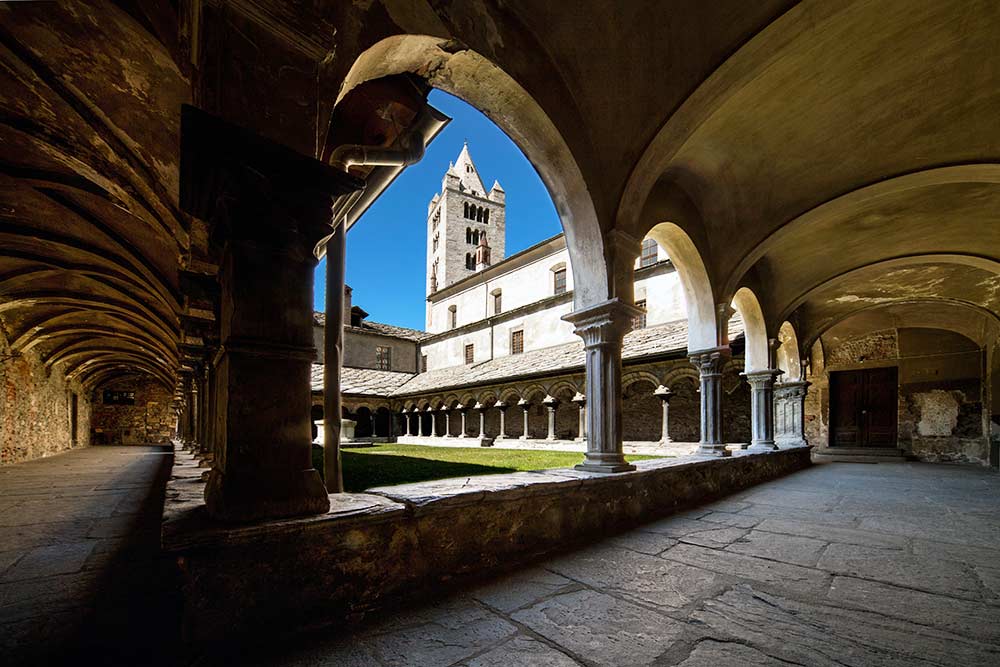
[(433, 414), (602, 328), (664, 394), (709, 364), (525, 406), (762, 408), (581, 427), (333, 358), (790, 399), (447, 422), (463, 411), (482, 420), (268, 208), (502, 407), (551, 403), (406, 420)]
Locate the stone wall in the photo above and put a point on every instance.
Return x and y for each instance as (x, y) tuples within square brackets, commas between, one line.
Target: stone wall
[(35, 415), (148, 421), (940, 393), (408, 542)]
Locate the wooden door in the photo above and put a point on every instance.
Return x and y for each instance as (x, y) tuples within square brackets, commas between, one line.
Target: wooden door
[(863, 408)]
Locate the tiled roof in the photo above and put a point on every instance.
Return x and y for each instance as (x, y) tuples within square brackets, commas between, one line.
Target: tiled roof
[(365, 381), (666, 338), (319, 319), (663, 339)]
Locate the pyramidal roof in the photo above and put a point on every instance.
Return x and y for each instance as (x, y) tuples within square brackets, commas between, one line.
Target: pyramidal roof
[(466, 170)]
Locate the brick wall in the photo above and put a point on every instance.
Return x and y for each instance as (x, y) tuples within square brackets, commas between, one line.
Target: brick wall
[(35, 409), (149, 420)]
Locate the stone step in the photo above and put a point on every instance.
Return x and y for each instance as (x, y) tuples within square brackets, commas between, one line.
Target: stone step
[(859, 455)]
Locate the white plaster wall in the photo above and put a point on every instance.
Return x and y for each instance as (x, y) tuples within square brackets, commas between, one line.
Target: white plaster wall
[(664, 298)]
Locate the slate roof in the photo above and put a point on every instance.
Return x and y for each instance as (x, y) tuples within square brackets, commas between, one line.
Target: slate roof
[(391, 330), (364, 381), (662, 339)]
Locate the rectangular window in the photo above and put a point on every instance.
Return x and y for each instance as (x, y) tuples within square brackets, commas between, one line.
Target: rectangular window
[(469, 354), (497, 304), (517, 341), (649, 253), (423, 363), (452, 317), (639, 321), (559, 283), (383, 358)]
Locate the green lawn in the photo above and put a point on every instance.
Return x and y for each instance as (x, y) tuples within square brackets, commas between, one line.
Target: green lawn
[(385, 465)]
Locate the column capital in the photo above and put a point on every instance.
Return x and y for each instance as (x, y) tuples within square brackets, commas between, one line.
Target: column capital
[(762, 376), (550, 401), (579, 399), (604, 322), (711, 360), (501, 406), (524, 404), (792, 388), (663, 393)]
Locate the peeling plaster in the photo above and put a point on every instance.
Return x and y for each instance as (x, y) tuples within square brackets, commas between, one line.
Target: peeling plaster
[(938, 413)]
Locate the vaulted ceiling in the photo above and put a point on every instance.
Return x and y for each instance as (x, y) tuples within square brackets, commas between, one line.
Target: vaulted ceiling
[(837, 157)]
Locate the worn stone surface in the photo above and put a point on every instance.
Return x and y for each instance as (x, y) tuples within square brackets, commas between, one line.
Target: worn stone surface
[(80, 570)]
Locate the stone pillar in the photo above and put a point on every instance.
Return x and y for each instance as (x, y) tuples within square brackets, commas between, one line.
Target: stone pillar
[(268, 208), (447, 422), (551, 403), (762, 408), (581, 428), (502, 407), (709, 364), (790, 398), (524, 405), (664, 394), (602, 328), (463, 411), (482, 420), (433, 432)]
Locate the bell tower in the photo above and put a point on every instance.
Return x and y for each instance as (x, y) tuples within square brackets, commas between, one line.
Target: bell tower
[(459, 218)]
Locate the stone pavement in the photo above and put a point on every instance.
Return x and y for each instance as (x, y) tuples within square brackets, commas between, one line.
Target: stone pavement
[(81, 577), (841, 564)]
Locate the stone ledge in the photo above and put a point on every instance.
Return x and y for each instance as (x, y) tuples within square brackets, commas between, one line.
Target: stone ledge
[(396, 543)]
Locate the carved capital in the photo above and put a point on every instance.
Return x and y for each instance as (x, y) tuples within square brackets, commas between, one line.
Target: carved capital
[(604, 323), (710, 362), (762, 378)]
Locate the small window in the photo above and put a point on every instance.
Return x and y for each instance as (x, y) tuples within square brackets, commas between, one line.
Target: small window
[(649, 252), (469, 353), (452, 317), (470, 261), (559, 281), (468, 168), (639, 321), (423, 363), (497, 302), (486, 216), (383, 358), (517, 341)]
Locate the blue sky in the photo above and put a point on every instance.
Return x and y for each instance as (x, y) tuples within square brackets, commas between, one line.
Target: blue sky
[(386, 249)]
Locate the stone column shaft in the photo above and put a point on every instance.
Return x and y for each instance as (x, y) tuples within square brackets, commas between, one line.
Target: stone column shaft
[(482, 423), (581, 427), (524, 433), (664, 394), (709, 364), (463, 413), (602, 328), (503, 422), (447, 422), (550, 405), (762, 408), (333, 358)]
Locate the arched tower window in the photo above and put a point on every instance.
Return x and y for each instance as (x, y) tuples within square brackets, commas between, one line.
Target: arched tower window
[(465, 210), (486, 216), (470, 261)]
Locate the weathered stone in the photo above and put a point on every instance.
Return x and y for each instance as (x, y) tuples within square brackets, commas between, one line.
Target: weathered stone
[(781, 576), (604, 629), (832, 533), (520, 589), (892, 567), (784, 548), (522, 651), (720, 653), (638, 577)]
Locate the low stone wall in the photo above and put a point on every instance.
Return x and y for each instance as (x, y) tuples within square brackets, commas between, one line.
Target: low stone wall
[(396, 543)]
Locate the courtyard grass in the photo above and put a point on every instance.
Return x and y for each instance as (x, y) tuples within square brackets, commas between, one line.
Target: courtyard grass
[(391, 464)]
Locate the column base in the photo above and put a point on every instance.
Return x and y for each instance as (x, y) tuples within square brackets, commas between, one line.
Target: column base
[(604, 463), (712, 450), (788, 444), (762, 447), (523, 437), (236, 498)]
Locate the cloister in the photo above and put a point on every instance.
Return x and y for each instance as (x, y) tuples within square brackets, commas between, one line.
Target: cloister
[(825, 174)]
